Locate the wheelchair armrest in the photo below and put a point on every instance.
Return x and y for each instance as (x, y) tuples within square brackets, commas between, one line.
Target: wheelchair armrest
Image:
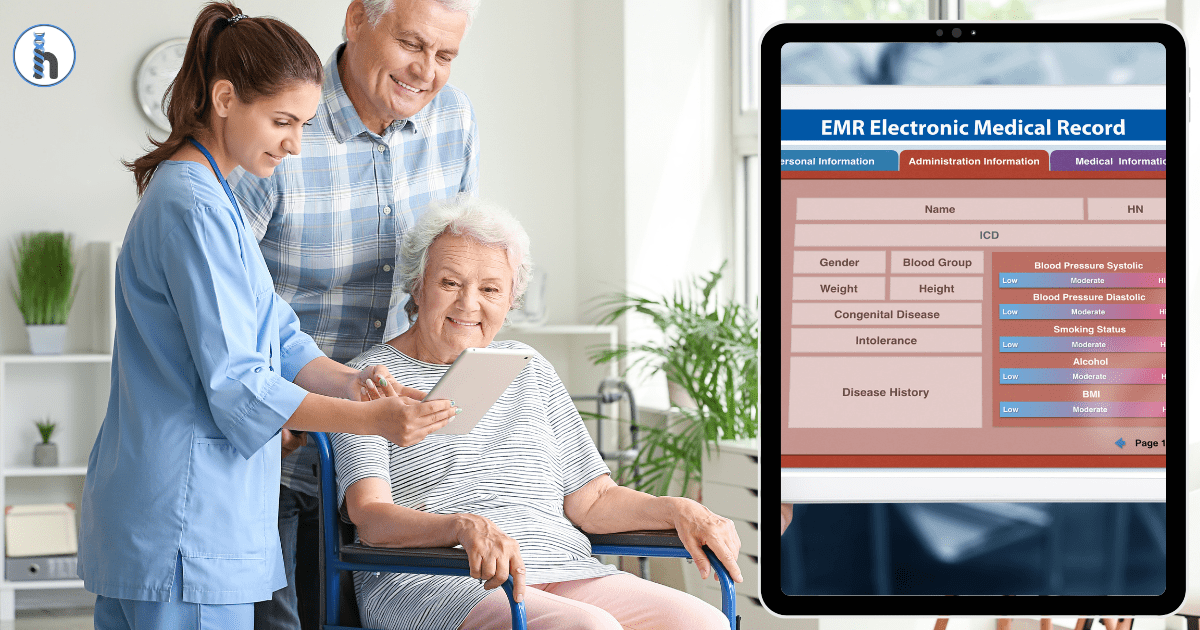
[(646, 538), (441, 557)]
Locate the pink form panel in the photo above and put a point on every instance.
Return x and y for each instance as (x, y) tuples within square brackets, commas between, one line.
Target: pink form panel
[(917, 392), (939, 209), (892, 313), (887, 340), (987, 440), (1118, 209), (840, 262), (981, 235)]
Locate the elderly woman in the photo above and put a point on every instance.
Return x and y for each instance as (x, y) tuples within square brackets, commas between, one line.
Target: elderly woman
[(514, 489)]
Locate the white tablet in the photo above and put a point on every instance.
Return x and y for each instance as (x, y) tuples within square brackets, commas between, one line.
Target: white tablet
[(475, 382)]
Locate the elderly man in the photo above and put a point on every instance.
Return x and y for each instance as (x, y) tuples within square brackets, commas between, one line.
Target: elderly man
[(390, 136)]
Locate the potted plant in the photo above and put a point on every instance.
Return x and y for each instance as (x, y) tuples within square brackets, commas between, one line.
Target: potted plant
[(709, 350), (46, 453), (45, 289)]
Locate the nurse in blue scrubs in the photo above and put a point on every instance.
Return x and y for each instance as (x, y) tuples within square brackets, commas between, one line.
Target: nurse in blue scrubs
[(210, 367)]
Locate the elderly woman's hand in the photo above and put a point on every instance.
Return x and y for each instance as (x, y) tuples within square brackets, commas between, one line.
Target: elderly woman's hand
[(492, 554), (699, 527)]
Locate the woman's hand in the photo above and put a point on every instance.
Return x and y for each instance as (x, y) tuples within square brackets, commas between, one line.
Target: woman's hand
[(404, 421), (375, 381), (698, 527), (492, 554), (402, 418)]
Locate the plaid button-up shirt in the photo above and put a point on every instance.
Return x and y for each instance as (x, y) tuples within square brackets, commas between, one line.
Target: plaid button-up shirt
[(329, 220)]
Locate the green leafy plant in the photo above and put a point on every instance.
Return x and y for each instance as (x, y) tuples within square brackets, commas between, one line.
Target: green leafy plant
[(45, 266), (710, 349), (46, 428)]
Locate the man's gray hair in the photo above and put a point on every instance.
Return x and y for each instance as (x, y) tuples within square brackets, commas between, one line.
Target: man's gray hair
[(482, 221), (376, 9)]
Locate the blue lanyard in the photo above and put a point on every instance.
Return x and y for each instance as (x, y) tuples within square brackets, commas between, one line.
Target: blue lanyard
[(220, 178)]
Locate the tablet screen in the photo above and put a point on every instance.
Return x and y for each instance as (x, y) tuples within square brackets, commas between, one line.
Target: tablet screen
[(973, 265)]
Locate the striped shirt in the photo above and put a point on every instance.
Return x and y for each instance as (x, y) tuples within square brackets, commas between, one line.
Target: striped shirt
[(329, 220), (529, 451)]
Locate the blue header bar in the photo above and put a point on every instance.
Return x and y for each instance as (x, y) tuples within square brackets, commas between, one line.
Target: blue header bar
[(839, 161), (991, 125)]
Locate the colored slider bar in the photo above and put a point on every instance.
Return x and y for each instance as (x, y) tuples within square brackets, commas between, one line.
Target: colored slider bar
[(1090, 409), (1068, 376), (1083, 344), (1083, 311), (1082, 280)]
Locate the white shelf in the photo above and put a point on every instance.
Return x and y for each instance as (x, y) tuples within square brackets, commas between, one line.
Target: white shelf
[(56, 358), (31, 585), (75, 396), (45, 471)]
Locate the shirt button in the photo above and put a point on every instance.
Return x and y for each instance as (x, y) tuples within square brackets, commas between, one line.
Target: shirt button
[(378, 323), (387, 209), (381, 148), (258, 369), (387, 267)]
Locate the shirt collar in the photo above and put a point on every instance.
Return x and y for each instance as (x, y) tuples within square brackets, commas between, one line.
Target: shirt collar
[(344, 119)]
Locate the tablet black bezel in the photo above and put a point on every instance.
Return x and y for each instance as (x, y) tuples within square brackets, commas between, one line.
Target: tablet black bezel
[(1176, 180)]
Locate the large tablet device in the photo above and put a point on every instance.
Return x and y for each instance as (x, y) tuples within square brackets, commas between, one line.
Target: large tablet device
[(475, 382), (976, 225)]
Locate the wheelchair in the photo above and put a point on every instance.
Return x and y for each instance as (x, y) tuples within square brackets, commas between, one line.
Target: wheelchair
[(340, 554)]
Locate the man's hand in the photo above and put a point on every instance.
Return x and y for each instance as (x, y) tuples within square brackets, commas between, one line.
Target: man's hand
[(292, 440), (492, 554), (698, 527)]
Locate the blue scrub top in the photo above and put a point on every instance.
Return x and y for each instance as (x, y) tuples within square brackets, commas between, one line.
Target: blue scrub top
[(187, 459)]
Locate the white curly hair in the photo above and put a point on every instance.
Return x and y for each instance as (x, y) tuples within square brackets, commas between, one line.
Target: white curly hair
[(482, 221)]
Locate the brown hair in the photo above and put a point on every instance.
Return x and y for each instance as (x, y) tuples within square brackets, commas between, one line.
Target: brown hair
[(259, 56)]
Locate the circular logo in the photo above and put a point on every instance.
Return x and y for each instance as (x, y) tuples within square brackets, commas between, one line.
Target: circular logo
[(44, 55)]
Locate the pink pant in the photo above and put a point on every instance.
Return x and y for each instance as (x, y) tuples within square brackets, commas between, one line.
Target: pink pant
[(612, 602)]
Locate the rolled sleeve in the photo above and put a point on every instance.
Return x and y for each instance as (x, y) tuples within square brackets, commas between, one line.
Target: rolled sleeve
[(212, 287), (296, 348)]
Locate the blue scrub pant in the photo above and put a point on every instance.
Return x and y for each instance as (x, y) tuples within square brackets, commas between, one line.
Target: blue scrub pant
[(130, 614)]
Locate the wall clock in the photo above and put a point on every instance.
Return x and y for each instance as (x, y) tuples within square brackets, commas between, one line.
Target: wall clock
[(154, 75)]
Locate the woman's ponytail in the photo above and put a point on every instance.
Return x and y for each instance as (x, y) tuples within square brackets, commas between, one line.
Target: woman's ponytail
[(259, 56)]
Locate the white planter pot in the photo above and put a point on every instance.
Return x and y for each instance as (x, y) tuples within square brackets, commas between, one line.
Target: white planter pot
[(47, 339), (45, 454)]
